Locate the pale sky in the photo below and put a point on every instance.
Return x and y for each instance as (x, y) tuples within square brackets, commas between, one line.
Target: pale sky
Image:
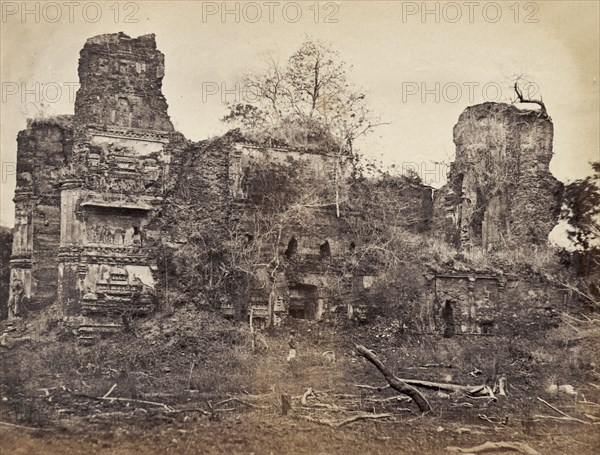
[(395, 57)]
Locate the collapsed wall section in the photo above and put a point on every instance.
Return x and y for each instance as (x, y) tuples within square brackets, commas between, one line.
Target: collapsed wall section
[(121, 83), (500, 191)]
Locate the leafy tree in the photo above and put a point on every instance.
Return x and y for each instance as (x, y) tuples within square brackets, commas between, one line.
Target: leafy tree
[(582, 212), (307, 102), (6, 239)]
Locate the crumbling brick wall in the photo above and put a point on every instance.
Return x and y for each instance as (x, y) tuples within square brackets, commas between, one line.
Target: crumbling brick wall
[(43, 153), (121, 83), (105, 193)]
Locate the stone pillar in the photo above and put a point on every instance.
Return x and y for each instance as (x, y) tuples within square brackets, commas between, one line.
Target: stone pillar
[(21, 261), (70, 247)]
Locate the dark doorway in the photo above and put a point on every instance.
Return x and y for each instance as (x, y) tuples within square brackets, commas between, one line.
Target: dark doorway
[(292, 248), (325, 249), (448, 318), (304, 301)]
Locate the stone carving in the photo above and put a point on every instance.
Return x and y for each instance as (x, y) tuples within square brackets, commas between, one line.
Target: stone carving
[(16, 295)]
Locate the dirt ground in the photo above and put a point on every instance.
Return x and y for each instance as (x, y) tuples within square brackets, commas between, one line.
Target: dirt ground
[(234, 405), (267, 432)]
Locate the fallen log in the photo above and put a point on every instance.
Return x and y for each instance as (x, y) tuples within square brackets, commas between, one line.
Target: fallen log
[(244, 402), (394, 381), (454, 388), (468, 389), (362, 417), (563, 419), (494, 446)]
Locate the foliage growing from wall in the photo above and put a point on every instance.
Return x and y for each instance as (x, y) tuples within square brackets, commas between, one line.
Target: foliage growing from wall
[(221, 262), (581, 209), (308, 102), (6, 239)]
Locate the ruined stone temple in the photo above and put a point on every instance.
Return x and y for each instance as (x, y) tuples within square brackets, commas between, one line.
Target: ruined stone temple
[(500, 191), (91, 188)]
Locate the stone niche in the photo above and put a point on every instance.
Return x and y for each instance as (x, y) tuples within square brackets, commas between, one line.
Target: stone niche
[(467, 304), (480, 304)]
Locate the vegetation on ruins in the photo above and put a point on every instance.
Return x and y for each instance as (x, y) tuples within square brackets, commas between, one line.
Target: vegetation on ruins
[(6, 239), (186, 378), (308, 102), (581, 209)]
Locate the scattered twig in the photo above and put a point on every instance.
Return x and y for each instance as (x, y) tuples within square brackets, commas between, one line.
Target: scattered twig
[(370, 387), (495, 421), (334, 424), (567, 419), (562, 413), (494, 446), (110, 391), (308, 393), (8, 424), (131, 400)]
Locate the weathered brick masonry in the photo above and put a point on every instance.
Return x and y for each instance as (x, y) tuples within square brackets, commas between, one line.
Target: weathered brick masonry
[(500, 191), (93, 188)]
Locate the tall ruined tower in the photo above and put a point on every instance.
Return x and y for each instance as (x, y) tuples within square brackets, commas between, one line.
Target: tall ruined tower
[(117, 179), (500, 191), (121, 84), (89, 186)]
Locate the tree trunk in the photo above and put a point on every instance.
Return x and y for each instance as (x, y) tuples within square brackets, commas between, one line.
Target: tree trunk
[(394, 381), (286, 404)]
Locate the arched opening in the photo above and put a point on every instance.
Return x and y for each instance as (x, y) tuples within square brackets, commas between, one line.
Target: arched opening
[(325, 249), (448, 318), (292, 248), (304, 301)]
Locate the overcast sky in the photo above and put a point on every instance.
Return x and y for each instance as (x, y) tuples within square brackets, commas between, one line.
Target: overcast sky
[(419, 68)]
